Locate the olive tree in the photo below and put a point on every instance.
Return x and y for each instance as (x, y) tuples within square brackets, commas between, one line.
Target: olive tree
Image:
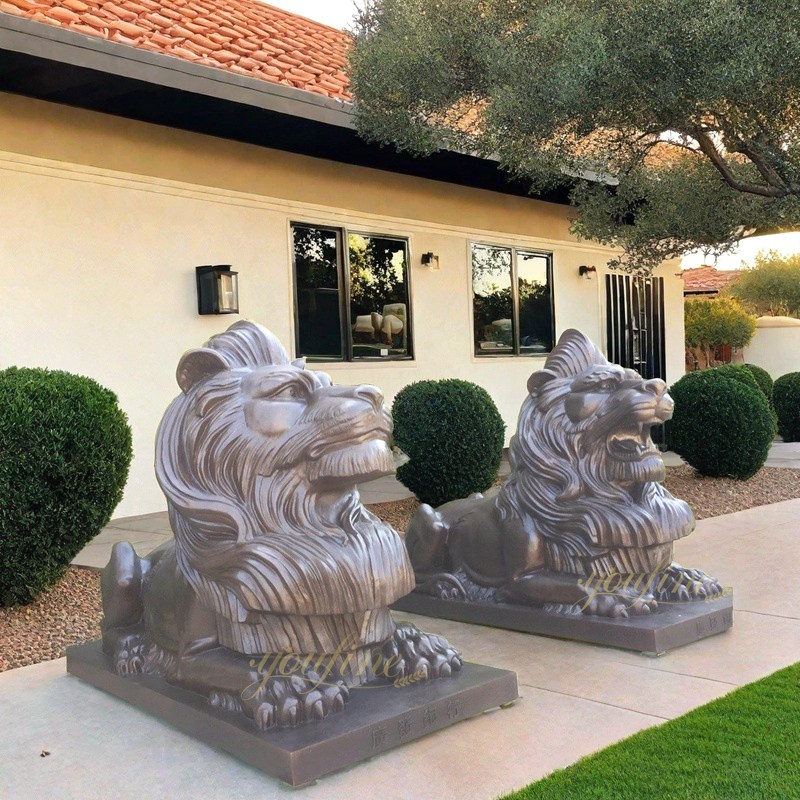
[(676, 123)]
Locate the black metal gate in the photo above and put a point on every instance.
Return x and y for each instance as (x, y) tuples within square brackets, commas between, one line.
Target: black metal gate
[(635, 324)]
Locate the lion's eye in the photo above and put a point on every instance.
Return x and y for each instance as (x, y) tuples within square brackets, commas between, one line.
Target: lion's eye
[(288, 393)]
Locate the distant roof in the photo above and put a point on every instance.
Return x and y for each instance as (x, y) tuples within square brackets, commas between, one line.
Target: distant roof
[(707, 280), (245, 37)]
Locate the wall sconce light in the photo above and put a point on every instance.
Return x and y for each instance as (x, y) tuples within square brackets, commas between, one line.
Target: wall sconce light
[(430, 260), (590, 273), (217, 290)]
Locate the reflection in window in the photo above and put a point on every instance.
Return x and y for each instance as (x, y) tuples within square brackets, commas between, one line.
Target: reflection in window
[(316, 264), (512, 301), (492, 299), (535, 303), (352, 302), (378, 295)]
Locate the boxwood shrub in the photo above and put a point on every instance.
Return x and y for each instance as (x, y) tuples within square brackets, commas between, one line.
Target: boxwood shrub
[(453, 435), (786, 399), (738, 373), (65, 450), (722, 425), (763, 379)]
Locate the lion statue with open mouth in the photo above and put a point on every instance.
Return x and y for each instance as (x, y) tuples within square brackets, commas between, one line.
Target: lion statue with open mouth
[(583, 506), (274, 554)]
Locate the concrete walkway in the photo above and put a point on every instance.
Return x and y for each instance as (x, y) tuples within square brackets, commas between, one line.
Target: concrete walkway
[(576, 699)]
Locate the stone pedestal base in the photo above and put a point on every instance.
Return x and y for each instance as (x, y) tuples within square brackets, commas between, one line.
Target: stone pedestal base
[(376, 719), (671, 626)]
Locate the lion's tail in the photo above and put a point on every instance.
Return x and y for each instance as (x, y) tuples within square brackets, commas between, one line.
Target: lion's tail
[(426, 540)]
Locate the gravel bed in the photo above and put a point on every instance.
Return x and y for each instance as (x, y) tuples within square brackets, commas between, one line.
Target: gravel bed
[(70, 612), (711, 497)]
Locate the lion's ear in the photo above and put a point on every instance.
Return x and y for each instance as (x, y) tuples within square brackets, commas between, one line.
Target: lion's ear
[(198, 364), (539, 379)]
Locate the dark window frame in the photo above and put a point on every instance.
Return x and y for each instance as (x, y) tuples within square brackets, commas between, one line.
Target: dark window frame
[(516, 353), (342, 234)]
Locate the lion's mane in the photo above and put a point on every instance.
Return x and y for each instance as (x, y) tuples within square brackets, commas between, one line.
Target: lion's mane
[(249, 537)]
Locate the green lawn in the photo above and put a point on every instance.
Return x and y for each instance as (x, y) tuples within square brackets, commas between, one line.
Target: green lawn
[(744, 745)]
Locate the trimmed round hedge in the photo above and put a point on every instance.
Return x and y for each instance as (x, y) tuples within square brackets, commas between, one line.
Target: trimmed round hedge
[(65, 450), (763, 379), (453, 435), (722, 425), (736, 372), (786, 399)]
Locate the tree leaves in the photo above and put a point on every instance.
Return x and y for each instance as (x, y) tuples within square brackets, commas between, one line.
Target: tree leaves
[(688, 113), (771, 286)]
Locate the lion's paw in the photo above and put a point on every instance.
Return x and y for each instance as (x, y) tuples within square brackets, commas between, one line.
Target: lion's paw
[(618, 604), (285, 702), (423, 656), (683, 585), (443, 586), (129, 655)]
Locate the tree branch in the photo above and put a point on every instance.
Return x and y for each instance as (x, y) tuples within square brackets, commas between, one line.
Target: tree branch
[(715, 157), (769, 173)]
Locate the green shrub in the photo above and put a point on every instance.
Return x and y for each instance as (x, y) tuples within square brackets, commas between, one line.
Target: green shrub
[(786, 399), (453, 434), (738, 373), (763, 379), (722, 425), (65, 450)]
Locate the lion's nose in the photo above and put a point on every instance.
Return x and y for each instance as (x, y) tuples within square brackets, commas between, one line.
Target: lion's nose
[(371, 394), (655, 386)]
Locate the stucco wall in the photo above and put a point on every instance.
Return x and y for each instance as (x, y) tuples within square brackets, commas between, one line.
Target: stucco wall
[(103, 221), (775, 346)]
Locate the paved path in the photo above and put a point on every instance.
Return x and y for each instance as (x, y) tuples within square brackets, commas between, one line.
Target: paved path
[(576, 698)]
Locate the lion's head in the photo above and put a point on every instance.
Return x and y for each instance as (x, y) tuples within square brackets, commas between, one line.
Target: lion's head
[(585, 469), (259, 459)]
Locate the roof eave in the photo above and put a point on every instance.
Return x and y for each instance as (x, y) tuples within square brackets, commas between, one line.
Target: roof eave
[(41, 40), (58, 65)]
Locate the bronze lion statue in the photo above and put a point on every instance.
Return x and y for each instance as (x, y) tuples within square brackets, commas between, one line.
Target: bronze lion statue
[(272, 599), (582, 524)]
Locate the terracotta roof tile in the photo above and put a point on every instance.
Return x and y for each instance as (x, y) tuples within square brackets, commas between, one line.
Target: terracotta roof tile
[(707, 280), (246, 37)]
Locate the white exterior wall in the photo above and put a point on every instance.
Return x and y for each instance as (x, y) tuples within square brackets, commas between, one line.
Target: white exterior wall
[(775, 346), (98, 279)]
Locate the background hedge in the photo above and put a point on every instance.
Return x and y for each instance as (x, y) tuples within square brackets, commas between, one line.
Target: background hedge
[(786, 399), (723, 424), (65, 450), (453, 435)]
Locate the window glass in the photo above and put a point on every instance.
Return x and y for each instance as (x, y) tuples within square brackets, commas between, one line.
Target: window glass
[(378, 296), (492, 299), (352, 302), (535, 303), (319, 309)]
